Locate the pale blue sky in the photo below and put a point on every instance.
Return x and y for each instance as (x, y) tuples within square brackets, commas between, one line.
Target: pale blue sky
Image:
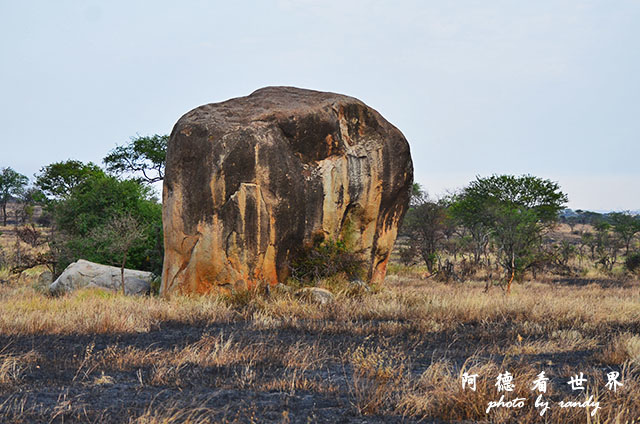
[(550, 88)]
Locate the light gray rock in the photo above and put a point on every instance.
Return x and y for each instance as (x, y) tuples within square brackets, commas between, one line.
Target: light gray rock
[(359, 285), (283, 288), (88, 274), (316, 295), (45, 278)]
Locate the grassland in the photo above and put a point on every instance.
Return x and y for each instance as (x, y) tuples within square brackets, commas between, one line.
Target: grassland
[(394, 355)]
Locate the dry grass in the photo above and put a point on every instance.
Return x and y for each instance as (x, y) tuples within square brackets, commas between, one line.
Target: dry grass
[(13, 367), (397, 352), (27, 311), (624, 347), (534, 309), (377, 379), (174, 415)]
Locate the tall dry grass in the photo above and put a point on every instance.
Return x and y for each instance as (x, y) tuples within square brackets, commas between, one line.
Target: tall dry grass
[(379, 370), (93, 311)]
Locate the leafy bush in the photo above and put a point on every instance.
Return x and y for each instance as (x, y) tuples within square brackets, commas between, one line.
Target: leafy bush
[(408, 254), (633, 263), (93, 204), (326, 258)]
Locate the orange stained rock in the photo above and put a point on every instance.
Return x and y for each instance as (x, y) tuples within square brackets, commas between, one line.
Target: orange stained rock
[(250, 181)]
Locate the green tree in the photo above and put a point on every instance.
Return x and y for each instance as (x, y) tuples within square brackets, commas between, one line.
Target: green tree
[(572, 221), (563, 252), (516, 210), (589, 240), (471, 212), (143, 156), (118, 236), (632, 263), (12, 184), (626, 226), (607, 244), (425, 224), (29, 198), (96, 202), (418, 195), (58, 179)]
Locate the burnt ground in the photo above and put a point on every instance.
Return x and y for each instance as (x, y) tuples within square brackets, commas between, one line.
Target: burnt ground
[(60, 386)]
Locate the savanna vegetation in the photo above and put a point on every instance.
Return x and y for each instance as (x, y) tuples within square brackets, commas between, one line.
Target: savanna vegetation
[(505, 228), (396, 354), (498, 277), (72, 209)]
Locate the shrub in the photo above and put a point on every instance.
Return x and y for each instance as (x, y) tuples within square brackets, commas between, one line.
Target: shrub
[(326, 258), (407, 255), (632, 263), (93, 204), (30, 235)]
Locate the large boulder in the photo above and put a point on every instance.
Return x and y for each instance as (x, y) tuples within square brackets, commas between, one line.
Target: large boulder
[(250, 181), (83, 273)]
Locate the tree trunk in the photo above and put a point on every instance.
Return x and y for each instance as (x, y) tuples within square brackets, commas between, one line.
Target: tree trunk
[(4, 213), (124, 261), (513, 273)]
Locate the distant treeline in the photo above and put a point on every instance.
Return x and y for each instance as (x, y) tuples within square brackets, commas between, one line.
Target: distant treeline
[(507, 225), (108, 215)]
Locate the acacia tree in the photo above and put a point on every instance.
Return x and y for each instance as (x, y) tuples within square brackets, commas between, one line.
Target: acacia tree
[(118, 236), (142, 156), (632, 263), (58, 179), (92, 205), (418, 195), (425, 224), (12, 184), (516, 210), (469, 210), (607, 246), (626, 226), (29, 199), (589, 240)]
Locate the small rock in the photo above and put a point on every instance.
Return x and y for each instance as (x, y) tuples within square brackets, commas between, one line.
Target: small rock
[(283, 288), (45, 278), (360, 286), (316, 295)]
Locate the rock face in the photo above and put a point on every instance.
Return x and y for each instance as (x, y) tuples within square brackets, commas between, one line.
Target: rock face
[(88, 274), (45, 278), (250, 181)]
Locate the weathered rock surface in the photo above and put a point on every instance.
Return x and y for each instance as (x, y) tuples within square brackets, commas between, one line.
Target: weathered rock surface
[(89, 274), (360, 286), (250, 181), (315, 295), (45, 278)]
